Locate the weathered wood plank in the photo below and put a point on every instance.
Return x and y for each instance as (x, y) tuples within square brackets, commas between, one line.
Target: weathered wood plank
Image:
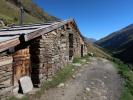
[(8, 44)]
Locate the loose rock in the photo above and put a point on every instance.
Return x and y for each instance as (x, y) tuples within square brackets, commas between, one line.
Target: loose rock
[(61, 85), (77, 64), (73, 76), (73, 70), (87, 89), (85, 98), (105, 77)]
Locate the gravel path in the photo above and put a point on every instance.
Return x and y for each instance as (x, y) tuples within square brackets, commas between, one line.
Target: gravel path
[(97, 80)]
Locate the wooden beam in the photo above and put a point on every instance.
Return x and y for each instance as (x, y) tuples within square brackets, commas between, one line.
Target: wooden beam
[(8, 44)]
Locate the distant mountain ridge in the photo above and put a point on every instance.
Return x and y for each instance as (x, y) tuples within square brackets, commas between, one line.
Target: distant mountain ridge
[(90, 39), (120, 43)]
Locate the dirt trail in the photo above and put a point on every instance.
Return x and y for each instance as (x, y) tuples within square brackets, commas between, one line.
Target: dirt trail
[(97, 80)]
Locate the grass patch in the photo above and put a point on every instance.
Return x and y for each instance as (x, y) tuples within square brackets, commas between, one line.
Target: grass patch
[(127, 75), (60, 77), (126, 95), (82, 60)]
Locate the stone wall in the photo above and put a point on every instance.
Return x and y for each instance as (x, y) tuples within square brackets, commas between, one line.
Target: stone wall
[(78, 43), (13, 66), (51, 52), (5, 76)]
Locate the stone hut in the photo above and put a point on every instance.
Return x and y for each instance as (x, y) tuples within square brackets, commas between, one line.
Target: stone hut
[(38, 51)]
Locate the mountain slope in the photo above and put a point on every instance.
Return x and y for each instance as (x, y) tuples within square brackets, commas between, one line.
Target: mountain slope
[(96, 50), (125, 52), (120, 43), (117, 39), (9, 12)]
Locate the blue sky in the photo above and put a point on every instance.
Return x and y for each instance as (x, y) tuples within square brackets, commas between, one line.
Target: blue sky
[(95, 18)]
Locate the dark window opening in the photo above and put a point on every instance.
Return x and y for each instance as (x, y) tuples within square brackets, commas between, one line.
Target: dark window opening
[(70, 46), (82, 50)]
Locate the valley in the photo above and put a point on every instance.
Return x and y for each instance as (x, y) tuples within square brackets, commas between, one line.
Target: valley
[(120, 43)]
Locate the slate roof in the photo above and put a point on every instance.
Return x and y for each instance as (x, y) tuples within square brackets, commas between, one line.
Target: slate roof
[(9, 37)]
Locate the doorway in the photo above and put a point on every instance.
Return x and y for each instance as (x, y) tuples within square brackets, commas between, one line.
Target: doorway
[(82, 50), (70, 46)]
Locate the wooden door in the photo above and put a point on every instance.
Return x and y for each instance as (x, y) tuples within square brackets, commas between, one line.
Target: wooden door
[(21, 63)]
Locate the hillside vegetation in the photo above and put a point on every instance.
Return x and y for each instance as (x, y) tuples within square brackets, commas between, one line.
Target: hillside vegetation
[(10, 12)]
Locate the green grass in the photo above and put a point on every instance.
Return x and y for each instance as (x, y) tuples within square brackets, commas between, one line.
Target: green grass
[(126, 95), (77, 60), (60, 77), (81, 60), (127, 75)]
